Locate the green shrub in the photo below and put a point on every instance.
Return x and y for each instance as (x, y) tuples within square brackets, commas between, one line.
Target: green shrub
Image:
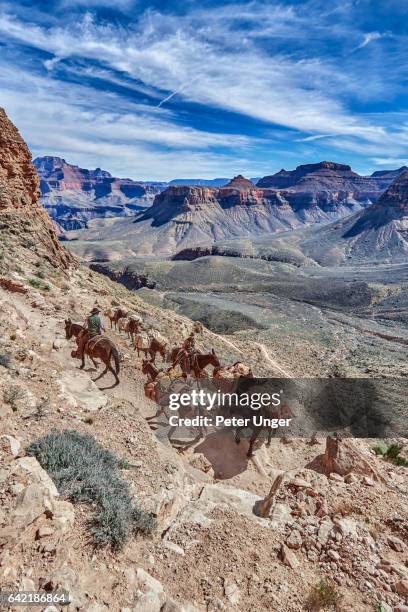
[(41, 274), (324, 596), (391, 453), (380, 448), (35, 283), (84, 471), (47, 287)]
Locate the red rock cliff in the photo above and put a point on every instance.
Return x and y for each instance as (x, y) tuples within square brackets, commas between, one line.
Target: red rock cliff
[(19, 194)]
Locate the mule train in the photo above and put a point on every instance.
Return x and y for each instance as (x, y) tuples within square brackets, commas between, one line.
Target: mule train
[(180, 364)]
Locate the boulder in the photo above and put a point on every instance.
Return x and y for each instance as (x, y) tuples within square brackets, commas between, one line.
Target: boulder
[(59, 343), (402, 588), (65, 579), (150, 593), (289, 558), (173, 547), (10, 444), (232, 592), (30, 504), (294, 540), (324, 530), (79, 390), (31, 470), (342, 457), (396, 544)]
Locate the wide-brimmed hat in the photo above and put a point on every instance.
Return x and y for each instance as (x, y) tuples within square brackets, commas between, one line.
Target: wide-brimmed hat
[(95, 311)]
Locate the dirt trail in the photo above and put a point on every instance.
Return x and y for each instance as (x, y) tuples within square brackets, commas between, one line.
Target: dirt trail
[(272, 361)]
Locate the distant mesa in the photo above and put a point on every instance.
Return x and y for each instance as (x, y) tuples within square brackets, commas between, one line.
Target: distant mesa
[(239, 182), (313, 175), (183, 216), (73, 195), (330, 176), (378, 233), (390, 173)]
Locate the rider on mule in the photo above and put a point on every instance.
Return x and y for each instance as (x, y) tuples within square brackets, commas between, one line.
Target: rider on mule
[(93, 327), (189, 347)]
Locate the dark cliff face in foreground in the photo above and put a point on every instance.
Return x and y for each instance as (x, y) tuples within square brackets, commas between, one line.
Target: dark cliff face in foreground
[(74, 195), (20, 210)]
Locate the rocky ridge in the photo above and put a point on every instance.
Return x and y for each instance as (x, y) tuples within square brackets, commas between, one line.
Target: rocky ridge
[(73, 195), (186, 216), (20, 208)]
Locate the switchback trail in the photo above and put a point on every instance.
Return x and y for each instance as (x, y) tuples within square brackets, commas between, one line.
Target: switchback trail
[(273, 363)]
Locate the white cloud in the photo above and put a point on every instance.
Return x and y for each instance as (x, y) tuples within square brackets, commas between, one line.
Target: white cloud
[(141, 142), (371, 37), (205, 61), (204, 57), (391, 162)]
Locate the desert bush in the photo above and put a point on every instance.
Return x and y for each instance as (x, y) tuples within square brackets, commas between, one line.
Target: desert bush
[(12, 394), (324, 596), (380, 448), (35, 283), (84, 471), (391, 453)]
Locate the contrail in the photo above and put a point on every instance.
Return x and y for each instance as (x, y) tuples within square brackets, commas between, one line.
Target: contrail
[(174, 93)]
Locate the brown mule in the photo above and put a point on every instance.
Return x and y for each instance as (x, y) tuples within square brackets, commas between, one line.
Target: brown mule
[(74, 330), (156, 347), (102, 348), (194, 363)]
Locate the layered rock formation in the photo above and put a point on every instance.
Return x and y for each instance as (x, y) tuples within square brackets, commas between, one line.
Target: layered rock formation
[(316, 177), (379, 233), (384, 178), (74, 195), (329, 186), (187, 216), (383, 227), (20, 210), (329, 176)]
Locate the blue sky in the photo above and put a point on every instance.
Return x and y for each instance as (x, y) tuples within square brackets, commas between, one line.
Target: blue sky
[(158, 90)]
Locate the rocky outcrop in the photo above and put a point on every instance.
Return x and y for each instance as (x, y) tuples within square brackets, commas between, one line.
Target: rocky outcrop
[(127, 277), (74, 195), (329, 186), (384, 178), (187, 216), (392, 206), (20, 210), (239, 182)]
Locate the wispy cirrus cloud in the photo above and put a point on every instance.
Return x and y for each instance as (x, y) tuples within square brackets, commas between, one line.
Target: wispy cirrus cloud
[(370, 37), (264, 67)]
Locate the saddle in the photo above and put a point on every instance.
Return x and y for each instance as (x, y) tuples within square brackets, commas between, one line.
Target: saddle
[(92, 342)]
